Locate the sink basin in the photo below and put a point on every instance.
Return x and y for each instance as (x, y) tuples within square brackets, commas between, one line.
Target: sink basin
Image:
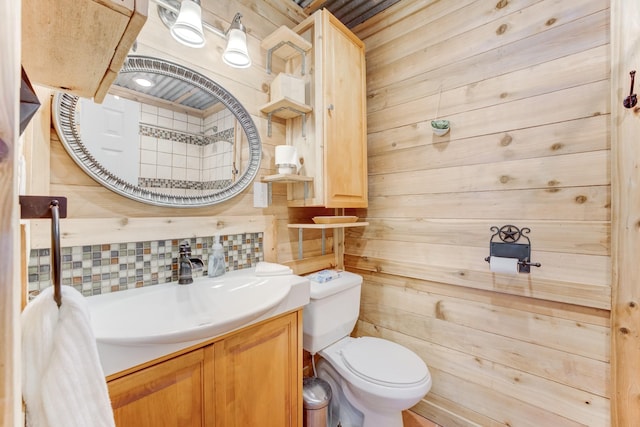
[(172, 313), (140, 325)]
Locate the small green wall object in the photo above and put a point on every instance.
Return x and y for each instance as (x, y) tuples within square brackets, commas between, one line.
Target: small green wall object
[(440, 127)]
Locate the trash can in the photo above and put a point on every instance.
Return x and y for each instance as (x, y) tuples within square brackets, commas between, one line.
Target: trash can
[(316, 396)]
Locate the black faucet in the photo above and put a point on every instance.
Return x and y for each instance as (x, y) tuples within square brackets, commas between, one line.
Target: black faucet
[(186, 264)]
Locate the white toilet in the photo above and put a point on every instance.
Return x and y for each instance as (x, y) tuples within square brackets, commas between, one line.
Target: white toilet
[(372, 380)]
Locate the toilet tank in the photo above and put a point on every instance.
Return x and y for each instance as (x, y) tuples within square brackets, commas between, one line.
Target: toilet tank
[(332, 311)]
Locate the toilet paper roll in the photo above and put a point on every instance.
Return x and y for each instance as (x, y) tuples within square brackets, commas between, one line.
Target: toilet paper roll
[(287, 159), (286, 155), (503, 265)]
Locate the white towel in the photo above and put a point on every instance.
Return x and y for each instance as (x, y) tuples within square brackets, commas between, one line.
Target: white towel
[(62, 379), (272, 269)]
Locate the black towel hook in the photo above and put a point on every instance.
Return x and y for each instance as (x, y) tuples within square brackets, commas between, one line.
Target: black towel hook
[(631, 100), (34, 207)]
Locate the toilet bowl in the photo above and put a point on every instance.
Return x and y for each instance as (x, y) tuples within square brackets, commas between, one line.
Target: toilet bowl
[(372, 379), (377, 377)]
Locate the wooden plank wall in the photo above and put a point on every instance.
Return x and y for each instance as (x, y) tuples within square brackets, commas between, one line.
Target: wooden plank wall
[(526, 87), (88, 200), (625, 128), (525, 84)]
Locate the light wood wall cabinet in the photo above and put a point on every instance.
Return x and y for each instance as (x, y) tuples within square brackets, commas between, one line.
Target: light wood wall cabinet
[(333, 142), (79, 46), (248, 378)]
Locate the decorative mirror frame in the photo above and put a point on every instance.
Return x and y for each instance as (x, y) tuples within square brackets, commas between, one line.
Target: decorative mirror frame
[(64, 108)]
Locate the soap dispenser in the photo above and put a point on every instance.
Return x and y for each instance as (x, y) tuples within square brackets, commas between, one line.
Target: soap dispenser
[(217, 265)]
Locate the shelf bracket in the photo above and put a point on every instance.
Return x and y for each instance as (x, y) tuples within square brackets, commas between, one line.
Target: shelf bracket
[(299, 243), (303, 114), (269, 193), (278, 46), (300, 240), (269, 123)]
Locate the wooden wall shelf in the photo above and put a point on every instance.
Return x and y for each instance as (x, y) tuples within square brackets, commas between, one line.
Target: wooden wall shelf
[(325, 226), (285, 108), (288, 179), (286, 44)]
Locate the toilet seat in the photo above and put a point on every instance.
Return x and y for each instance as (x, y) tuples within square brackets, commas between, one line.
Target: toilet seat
[(384, 362)]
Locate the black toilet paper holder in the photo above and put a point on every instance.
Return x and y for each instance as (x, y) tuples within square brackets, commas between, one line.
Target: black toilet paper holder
[(506, 246)]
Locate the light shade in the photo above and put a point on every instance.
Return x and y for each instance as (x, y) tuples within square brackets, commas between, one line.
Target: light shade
[(236, 54), (188, 26)]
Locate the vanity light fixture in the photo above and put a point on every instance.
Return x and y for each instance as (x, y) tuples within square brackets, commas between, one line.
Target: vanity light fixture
[(236, 54), (187, 28), (184, 19)]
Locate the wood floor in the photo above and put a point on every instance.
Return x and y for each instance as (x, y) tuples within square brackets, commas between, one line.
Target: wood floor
[(411, 419)]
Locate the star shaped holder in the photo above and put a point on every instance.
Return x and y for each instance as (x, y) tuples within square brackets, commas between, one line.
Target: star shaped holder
[(506, 246)]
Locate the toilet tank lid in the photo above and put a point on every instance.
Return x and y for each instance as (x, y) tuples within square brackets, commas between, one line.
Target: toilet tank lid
[(341, 281)]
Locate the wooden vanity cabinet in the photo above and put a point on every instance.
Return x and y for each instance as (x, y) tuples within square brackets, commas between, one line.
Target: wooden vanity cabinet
[(79, 46), (252, 377), (170, 394), (334, 144), (258, 376)]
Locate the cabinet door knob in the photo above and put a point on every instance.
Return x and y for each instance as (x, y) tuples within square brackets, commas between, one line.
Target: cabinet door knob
[(330, 107)]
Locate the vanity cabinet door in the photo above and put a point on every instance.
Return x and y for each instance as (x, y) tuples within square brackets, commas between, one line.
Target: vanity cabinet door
[(168, 394), (258, 376)]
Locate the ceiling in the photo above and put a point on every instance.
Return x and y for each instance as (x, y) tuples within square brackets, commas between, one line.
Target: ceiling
[(349, 12)]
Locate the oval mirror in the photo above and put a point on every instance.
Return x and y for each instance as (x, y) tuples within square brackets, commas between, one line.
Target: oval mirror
[(164, 135)]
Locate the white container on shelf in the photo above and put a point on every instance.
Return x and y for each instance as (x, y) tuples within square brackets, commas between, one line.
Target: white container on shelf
[(287, 86)]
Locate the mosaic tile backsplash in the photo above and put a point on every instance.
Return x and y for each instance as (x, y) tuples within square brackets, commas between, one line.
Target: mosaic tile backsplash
[(98, 269)]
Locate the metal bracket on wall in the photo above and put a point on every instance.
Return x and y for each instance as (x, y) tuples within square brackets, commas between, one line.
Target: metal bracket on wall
[(300, 241), (274, 112), (40, 207), (296, 48)]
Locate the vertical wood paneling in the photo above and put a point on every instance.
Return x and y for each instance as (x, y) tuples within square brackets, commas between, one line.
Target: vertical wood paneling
[(625, 128), (526, 87)]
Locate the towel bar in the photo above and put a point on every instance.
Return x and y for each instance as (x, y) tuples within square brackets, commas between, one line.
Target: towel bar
[(33, 207)]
